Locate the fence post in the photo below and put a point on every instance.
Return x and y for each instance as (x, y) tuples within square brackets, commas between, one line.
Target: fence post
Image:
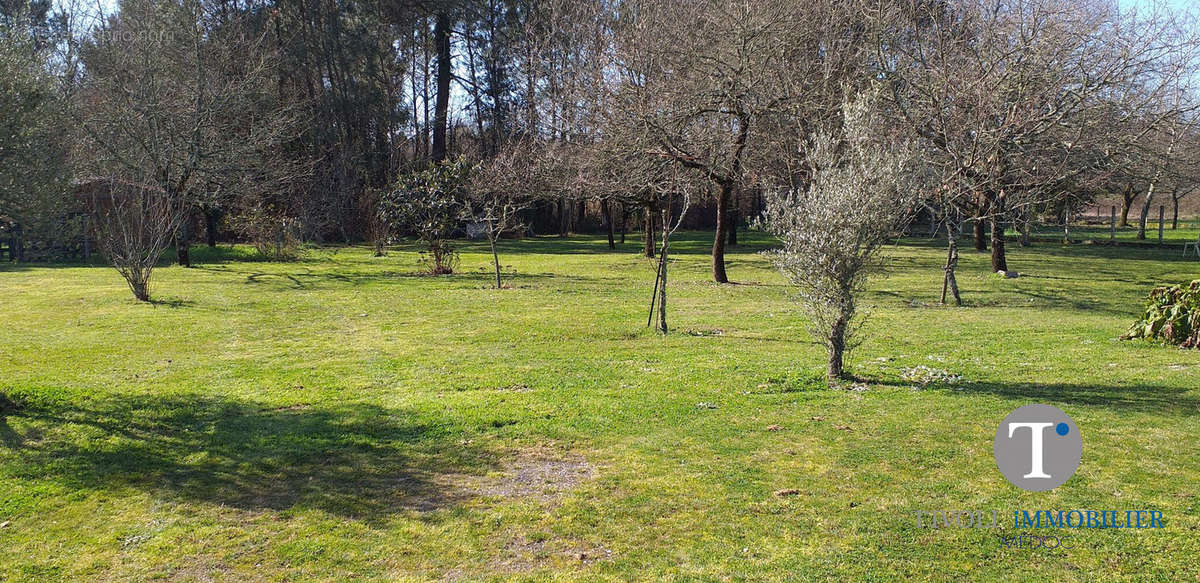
[(1160, 225)]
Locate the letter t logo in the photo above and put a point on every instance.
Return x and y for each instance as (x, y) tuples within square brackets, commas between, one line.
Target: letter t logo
[(1035, 430)]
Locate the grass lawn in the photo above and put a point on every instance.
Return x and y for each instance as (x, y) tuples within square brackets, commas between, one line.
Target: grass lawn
[(342, 418), (1187, 232)]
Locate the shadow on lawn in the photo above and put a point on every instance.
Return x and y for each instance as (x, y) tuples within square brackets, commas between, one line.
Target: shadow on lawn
[(470, 279), (682, 243), (356, 460), (1142, 398)]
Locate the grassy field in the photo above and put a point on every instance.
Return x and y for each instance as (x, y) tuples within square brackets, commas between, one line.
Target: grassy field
[(342, 418), (1187, 231)]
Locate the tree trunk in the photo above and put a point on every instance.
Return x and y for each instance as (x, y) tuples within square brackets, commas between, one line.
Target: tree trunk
[(1174, 212), (141, 291), (999, 263), (837, 348), (648, 248), (718, 250), (1141, 233), (662, 261), (441, 39), (564, 217), (624, 221), (1025, 220), (980, 235), (183, 243), (949, 282), (608, 221), (733, 221), (210, 226), (492, 235), (1127, 199), (16, 246)]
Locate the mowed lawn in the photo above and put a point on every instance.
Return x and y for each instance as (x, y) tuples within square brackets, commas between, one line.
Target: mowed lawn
[(341, 418)]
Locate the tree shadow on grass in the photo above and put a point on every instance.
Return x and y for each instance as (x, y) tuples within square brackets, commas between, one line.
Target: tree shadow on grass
[(471, 279), (1141, 398), (8, 437), (682, 243), (357, 460)]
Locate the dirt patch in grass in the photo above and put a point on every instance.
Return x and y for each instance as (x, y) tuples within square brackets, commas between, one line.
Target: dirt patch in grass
[(542, 475), (205, 572), (524, 554)]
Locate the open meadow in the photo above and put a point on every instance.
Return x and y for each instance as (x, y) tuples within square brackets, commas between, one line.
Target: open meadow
[(343, 418)]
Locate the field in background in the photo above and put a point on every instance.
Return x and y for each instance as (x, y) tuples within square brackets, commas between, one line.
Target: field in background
[(343, 418)]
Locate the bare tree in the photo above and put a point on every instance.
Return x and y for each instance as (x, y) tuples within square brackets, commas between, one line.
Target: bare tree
[(670, 189), (1010, 98), (863, 180), (172, 97), (135, 226), (504, 187)]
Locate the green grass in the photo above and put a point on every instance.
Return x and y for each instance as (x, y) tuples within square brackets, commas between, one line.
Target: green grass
[(323, 420), (1187, 232)]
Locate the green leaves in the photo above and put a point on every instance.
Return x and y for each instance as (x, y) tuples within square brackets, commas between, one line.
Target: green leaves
[(1172, 316), (430, 204)]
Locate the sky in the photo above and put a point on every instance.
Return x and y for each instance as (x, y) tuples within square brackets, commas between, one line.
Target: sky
[(1177, 5)]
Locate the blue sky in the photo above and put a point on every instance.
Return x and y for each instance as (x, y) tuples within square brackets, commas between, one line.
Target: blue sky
[(1180, 5)]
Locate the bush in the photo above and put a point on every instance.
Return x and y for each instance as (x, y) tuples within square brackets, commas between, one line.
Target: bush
[(430, 204), (1172, 316), (275, 238)]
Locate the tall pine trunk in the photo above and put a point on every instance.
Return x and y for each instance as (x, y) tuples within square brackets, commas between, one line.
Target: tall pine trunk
[(441, 39)]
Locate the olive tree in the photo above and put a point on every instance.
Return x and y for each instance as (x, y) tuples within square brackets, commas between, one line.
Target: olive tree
[(862, 181)]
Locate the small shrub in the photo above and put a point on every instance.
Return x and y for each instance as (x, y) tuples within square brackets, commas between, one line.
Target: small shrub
[(275, 238), (1172, 316), (431, 205)]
